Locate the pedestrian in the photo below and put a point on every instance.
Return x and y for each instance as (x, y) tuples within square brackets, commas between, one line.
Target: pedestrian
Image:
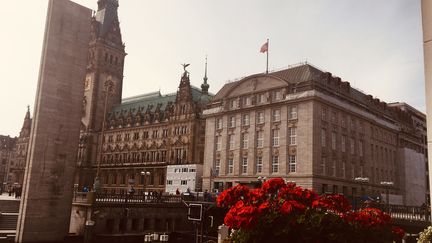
[(177, 192), (131, 191), (206, 196)]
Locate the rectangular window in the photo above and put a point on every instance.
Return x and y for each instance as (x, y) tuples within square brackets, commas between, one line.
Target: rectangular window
[(244, 165), (165, 133), (292, 112), (324, 114), (217, 167), (183, 182), (219, 123), (260, 117), (155, 134), (276, 115), (292, 163), (259, 164), (343, 143), (334, 117), (361, 148), (169, 182), (231, 142), (275, 164), (246, 101), (275, 137), (323, 166), (334, 167), (245, 120), (352, 146), (230, 166), (343, 122), (277, 95), (293, 135), (260, 139), (323, 137), (232, 122), (343, 169), (233, 104), (245, 141), (333, 140), (218, 143), (353, 124), (261, 98)]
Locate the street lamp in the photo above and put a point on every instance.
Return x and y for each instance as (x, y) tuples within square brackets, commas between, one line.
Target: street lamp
[(362, 181), (261, 180), (144, 174), (109, 89), (387, 185)]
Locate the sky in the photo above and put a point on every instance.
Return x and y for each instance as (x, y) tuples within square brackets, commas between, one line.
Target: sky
[(376, 45)]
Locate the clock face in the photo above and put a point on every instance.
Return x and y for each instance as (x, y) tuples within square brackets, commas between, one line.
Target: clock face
[(87, 83)]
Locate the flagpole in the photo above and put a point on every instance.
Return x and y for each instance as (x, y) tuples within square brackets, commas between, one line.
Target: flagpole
[(267, 55)]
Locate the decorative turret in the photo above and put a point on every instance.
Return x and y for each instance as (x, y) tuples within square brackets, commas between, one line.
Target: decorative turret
[(25, 130), (205, 86)]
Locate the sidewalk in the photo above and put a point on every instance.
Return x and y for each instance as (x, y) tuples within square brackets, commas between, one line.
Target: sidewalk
[(5, 196)]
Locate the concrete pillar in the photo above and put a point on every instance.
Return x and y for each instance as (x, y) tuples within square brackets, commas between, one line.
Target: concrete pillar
[(426, 6), (48, 181)]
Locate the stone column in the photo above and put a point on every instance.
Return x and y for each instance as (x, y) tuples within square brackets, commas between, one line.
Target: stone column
[(426, 6), (48, 181)]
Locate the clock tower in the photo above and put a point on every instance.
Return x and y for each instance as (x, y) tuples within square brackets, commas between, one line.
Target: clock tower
[(103, 82)]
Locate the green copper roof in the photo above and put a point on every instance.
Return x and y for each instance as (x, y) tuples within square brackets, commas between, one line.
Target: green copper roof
[(151, 101)]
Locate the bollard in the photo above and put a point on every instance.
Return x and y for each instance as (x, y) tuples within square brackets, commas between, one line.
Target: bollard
[(222, 233)]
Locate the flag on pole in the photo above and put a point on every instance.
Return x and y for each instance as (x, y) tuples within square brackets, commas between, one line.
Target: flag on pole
[(264, 48)]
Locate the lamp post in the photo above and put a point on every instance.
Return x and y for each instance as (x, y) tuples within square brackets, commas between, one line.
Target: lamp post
[(362, 181), (144, 174), (387, 185), (261, 180), (109, 89)]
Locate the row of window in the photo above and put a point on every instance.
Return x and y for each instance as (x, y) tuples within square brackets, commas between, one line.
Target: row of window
[(376, 174), (178, 130), (376, 132), (343, 143), (184, 170), (178, 155), (292, 165), (121, 179), (182, 182), (261, 98), (244, 139), (260, 118)]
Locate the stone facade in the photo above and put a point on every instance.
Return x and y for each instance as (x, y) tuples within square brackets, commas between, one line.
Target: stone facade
[(130, 142), (7, 146), (50, 166), (306, 126), (15, 172)]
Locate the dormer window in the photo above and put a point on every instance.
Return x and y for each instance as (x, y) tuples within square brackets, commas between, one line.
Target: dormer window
[(233, 104), (246, 101), (277, 95)]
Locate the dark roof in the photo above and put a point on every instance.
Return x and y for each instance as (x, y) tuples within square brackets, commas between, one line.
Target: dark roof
[(297, 74), (107, 16), (300, 73), (150, 101)]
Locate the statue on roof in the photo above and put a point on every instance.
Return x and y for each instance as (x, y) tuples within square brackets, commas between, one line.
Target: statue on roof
[(185, 65)]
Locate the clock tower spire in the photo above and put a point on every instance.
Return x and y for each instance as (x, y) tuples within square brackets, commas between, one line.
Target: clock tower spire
[(104, 78)]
